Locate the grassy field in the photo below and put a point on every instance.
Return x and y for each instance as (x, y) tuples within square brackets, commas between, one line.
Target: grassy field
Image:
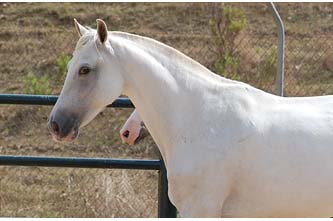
[(34, 36)]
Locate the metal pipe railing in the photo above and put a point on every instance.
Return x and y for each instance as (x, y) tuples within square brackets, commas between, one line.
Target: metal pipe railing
[(281, 45), (165, 208), (28, 99), (79, 162)]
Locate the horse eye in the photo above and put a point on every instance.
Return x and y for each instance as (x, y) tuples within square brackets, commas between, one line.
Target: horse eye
[(84, 70)]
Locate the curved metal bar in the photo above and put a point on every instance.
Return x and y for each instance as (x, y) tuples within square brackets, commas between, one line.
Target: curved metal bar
[(281, 45)]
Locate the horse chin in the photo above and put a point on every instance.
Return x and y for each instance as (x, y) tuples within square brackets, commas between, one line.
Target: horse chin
[(68, 138)]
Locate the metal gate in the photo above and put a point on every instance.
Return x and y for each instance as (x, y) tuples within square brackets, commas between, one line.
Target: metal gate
[(165, 208)]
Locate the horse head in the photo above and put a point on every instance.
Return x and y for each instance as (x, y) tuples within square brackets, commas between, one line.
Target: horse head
[(93, 81)]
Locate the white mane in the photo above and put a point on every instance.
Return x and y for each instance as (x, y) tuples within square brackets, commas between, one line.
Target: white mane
[(177, 56)]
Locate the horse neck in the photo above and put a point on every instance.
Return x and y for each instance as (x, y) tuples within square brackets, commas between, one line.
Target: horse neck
[(160, 81)]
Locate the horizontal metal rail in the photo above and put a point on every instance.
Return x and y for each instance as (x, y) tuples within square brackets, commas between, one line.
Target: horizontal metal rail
[(51, 100), (78, 162)]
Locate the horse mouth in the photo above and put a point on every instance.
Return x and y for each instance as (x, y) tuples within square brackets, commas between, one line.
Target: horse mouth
[(72, 135), (142, 134)]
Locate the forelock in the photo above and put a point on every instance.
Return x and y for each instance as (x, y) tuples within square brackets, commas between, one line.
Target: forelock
[(85, 39)]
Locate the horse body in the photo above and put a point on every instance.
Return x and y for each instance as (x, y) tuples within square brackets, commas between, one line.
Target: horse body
[(285, 168), (279, 147), (229, 149)]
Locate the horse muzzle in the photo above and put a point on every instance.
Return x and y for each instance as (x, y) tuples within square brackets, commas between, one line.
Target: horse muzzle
[(63, 127), (133, 137)]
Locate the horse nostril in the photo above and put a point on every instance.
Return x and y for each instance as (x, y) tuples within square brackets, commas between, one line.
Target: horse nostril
[(55, 127), (126, 133)]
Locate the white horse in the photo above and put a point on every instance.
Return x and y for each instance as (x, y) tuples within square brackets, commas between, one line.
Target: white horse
[(230, 149), (133, 129)]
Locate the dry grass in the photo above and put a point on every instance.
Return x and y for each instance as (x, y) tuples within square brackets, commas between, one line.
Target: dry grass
[(34, 35)]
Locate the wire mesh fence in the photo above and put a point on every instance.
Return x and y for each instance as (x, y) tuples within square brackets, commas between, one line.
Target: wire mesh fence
[(59, 192), (37, 44)]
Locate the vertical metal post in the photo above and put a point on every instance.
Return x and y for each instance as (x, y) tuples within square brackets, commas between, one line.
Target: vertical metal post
[(281, 43), (165, 208)]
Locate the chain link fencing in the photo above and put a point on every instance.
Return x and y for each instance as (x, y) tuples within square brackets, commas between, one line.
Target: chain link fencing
[(33, 38)]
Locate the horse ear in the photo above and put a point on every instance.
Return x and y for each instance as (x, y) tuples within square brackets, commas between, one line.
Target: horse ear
[(79, 28), (102, 30)]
